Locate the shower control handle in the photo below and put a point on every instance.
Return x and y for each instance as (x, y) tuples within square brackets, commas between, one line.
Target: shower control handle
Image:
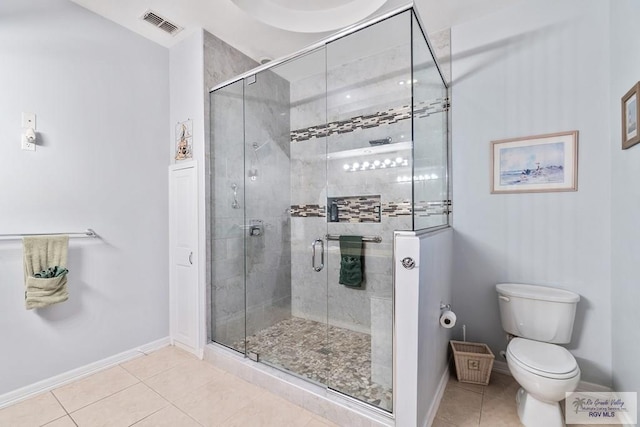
[(313, 255)]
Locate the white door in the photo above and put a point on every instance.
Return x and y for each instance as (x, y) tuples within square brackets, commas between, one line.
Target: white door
[(183, 243)]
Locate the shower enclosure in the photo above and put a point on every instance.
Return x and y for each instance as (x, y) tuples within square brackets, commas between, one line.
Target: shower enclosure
[(348, 138)]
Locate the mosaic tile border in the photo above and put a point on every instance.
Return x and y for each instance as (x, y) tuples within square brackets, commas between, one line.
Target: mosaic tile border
[(390, 116), (359, 209), (308, 211)]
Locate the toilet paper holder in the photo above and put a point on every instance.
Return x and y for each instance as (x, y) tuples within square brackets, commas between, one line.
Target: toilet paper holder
[(444, 306)]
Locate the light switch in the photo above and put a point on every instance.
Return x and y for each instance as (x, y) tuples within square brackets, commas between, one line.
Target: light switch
[(29, 120)]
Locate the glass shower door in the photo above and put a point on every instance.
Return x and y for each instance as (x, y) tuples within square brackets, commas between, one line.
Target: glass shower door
[(227, 217), (368, 105), (285, 193)]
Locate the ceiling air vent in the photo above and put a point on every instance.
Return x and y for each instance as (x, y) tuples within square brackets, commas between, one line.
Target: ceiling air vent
[(158, 21)]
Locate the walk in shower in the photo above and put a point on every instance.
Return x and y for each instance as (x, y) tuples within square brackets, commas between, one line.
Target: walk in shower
[(345, 139)]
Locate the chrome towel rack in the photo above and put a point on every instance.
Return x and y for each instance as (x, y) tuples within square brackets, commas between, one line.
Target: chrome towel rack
[(372, 239), (89, 232)]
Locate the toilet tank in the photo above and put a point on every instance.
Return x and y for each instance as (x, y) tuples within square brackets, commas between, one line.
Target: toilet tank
[(538, 313)]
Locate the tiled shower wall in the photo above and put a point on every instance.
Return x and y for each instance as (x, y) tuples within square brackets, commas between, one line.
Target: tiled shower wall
[(268, 268), (221, 62), (267, 165), (356, 89), (369, 98)]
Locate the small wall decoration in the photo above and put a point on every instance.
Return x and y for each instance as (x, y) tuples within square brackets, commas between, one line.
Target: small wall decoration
[(184, 140), (630, 117), (538, 163)]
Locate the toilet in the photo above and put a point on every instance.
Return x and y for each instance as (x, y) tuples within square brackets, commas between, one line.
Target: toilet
[(536, 319)]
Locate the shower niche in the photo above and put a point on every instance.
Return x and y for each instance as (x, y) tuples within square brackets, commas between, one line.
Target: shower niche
[(348, 138), (353, 209)]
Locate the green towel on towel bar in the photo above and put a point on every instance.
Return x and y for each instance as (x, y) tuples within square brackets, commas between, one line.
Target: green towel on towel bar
[(351, 261)]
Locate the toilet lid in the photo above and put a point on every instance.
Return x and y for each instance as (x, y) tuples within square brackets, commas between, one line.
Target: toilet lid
[(545, 359)]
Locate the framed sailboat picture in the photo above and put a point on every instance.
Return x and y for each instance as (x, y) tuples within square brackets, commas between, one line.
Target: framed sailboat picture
[(630, 117), (535, 164)]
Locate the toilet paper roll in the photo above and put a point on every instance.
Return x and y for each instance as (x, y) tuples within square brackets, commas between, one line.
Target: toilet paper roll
[(448, 319)]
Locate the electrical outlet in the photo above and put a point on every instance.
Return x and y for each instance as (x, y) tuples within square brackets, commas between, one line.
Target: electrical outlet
[(26, 145)]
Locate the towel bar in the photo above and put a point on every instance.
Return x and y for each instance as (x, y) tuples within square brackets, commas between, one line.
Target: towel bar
[(373, 239), (88, 233)]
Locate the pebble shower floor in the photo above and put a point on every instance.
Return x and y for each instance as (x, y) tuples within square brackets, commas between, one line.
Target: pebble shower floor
[(329, 355)]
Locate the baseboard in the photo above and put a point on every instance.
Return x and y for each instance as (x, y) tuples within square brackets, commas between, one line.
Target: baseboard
[(435, 404), (199, 353), (502, 368), (594, 388), (75, 374)]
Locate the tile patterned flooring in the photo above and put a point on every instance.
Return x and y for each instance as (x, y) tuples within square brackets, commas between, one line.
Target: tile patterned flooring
[(168, 387), (337, 357), (465, 404), (171, 388), (494, 405)]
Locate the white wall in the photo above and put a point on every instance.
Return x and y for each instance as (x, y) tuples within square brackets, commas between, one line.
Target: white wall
[(186, 71), (421, 344), (537, 67), (101, 99), (436, 259), (625, 292)]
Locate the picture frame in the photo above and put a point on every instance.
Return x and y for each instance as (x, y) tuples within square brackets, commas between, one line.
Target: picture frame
[(630, 117), (184, 140), (535, 164)]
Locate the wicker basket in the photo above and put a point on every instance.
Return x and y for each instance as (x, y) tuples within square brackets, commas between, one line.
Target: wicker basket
[(473, 362)]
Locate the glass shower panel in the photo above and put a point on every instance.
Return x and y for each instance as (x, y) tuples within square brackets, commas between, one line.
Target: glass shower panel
[(369, 150), (227, 216), (430, 181), (285, 149), (315, 162)]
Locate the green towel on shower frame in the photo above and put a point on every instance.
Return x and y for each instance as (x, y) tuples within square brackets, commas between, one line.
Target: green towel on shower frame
[(351, 261)]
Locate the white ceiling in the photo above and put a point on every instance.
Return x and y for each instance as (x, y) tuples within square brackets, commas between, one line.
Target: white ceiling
[(228, 21)]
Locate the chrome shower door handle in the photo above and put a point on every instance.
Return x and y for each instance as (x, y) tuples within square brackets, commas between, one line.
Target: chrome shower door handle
[(191, 257), (313, 255)]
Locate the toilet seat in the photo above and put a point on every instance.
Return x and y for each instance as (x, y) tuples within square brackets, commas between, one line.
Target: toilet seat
[(543, 359)]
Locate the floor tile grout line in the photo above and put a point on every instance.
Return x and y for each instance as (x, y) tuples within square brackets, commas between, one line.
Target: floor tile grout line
[(149, 354), (147, 416), (481, 409), (162, 409), (166, 370), (187, 414), (102, 398), (173, 404), (63, 408), (85, 378)]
